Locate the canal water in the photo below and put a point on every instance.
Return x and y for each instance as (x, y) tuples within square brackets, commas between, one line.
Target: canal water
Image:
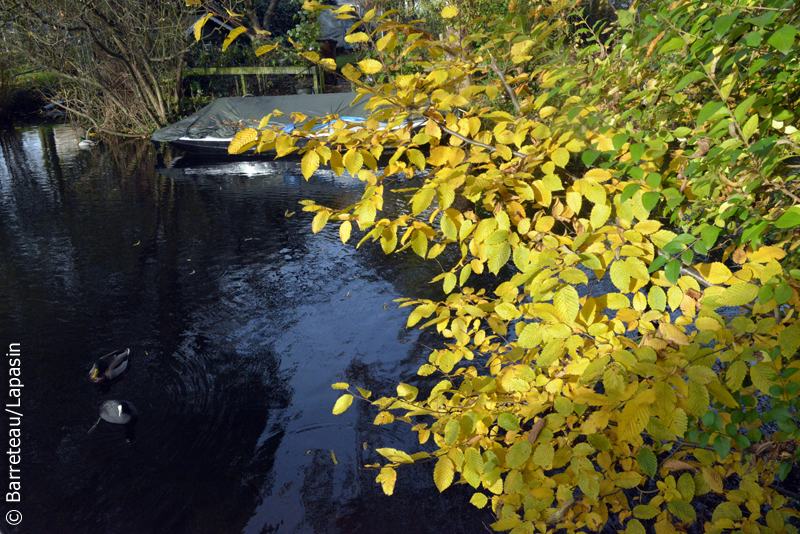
[(238, 319)]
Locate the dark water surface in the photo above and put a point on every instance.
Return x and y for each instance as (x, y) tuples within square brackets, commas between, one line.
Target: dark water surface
[(238, 319)]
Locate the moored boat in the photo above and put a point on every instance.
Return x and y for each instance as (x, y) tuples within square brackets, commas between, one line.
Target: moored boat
[(211, 130)]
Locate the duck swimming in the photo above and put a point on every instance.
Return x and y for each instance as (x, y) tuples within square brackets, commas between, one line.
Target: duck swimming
[(110, 366), (86, 143), (119, 413)]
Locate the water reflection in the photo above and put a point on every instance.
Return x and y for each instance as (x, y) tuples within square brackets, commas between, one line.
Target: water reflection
[(238, 320)]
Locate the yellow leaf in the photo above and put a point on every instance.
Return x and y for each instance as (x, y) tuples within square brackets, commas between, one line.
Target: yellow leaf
[(599, 175), (566, 303), (546, 112), (370, 66), (674, 334), (449, 12), (620, 276), (390, 40), (600, 214), (737, 295), (353, 161), (715, 273), (574, 200), (344, 231), (432, 129), (309, 164), (443, 473), (243, 141), (762, 377), (632, 421), (320, 220), (674, 297), (350, 72), (764, 254), (342, 404), (261, 50), (647, 227), (713, 479), (358, 37), (198, 26), (560, 157), (236, 32), (387, 479), (678, 465)]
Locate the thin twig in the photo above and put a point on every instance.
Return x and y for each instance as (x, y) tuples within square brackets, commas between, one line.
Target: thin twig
[(510, 91), (472, 141)]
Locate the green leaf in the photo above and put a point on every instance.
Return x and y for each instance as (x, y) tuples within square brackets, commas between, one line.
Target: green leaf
[(589, 157), (600, 442), (451, 431), (508, 422), (783, 39), (647, 461), (723, 24), (544, 454), (708, 111), (635, 527), (709, 235), (744, 108), (625, 18), (789, 218), (682, 510), (629, 191), (518, 454), (783, 293), (342, 404), (645, 512), (673, 271), (688, 79), (650, 199), (752, 232), (657, 263), (637, 151), (686, 486), (750, 127), (563, 405)]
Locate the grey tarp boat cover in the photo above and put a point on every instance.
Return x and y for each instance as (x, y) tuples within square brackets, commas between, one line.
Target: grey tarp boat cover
[(225, 116)]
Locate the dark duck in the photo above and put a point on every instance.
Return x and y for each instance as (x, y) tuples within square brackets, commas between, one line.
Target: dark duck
[(110, 366)]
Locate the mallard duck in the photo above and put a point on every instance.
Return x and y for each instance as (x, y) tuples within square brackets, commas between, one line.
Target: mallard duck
[(86, 143), (117, 412), (110, 366)]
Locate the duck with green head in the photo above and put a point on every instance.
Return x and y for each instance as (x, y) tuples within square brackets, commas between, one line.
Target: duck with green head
[(112, 365)]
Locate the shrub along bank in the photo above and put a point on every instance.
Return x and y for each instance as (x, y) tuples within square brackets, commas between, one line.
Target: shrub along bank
[(661, 154)]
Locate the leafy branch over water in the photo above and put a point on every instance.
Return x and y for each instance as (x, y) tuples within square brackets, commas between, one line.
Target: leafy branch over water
[(663, 156)]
